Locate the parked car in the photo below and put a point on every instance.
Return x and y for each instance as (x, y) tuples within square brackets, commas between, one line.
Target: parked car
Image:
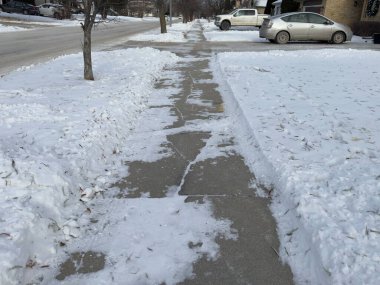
[(51, 10), (19, 7), (304, 26), (240, 17)]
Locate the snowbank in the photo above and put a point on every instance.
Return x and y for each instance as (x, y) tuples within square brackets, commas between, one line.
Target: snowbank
[(14, 18), (60, 145), (310, 126), (5, 28), (176, 33)]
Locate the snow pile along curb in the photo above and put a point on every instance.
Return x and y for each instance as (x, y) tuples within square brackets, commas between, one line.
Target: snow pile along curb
[(313, 120)]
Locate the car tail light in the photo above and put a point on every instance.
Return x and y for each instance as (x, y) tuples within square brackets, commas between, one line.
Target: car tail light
[(267, 23)]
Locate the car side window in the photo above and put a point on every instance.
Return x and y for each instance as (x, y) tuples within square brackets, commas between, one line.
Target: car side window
[(316, 19), (250, 12), (296, 18)]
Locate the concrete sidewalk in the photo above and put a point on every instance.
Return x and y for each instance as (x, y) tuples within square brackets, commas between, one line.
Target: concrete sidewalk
[(224, 179)]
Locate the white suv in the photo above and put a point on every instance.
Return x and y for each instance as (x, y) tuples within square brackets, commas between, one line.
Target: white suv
[(240, 17)]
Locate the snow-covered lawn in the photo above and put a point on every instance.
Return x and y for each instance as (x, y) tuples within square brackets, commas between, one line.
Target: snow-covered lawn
[(310, 127)]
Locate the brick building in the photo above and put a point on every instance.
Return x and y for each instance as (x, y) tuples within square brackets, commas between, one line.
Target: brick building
[(349, 12)]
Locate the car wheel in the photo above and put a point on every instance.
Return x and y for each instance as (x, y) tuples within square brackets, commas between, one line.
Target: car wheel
[(282, 37), (25, 12), (225, 25), (338, 38)]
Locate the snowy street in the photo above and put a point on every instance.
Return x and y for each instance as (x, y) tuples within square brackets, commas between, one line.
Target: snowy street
[(19, 47), (195, 157)]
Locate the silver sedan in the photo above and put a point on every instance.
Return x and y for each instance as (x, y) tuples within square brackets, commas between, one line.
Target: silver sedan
[(304, 26)]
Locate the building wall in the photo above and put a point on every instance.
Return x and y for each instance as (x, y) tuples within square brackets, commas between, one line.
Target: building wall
[(347, 12), (249, 4), (260, 5), (366, 18), (260, 10), (317, 6)]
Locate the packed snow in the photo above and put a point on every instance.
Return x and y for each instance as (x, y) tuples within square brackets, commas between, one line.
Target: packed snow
[(146, 240), (310, 130)]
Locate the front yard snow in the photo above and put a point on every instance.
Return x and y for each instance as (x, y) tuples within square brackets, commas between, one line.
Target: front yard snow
[(315, 120)]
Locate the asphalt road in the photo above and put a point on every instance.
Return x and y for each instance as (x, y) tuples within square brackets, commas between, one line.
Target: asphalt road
[(33, 46)]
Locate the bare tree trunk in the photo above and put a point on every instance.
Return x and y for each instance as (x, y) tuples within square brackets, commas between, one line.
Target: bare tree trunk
[(88, 74), (161, 8), (160, 5), (90, 10), (163, 23)]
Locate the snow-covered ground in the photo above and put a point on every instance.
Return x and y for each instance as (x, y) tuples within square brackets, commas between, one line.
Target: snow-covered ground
[(13, 18), (63, 141), (10, 28), (310, 129), (308, 123), (176, 33)]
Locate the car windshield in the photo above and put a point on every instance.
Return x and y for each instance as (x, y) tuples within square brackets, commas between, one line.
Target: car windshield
[(232, 12)]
